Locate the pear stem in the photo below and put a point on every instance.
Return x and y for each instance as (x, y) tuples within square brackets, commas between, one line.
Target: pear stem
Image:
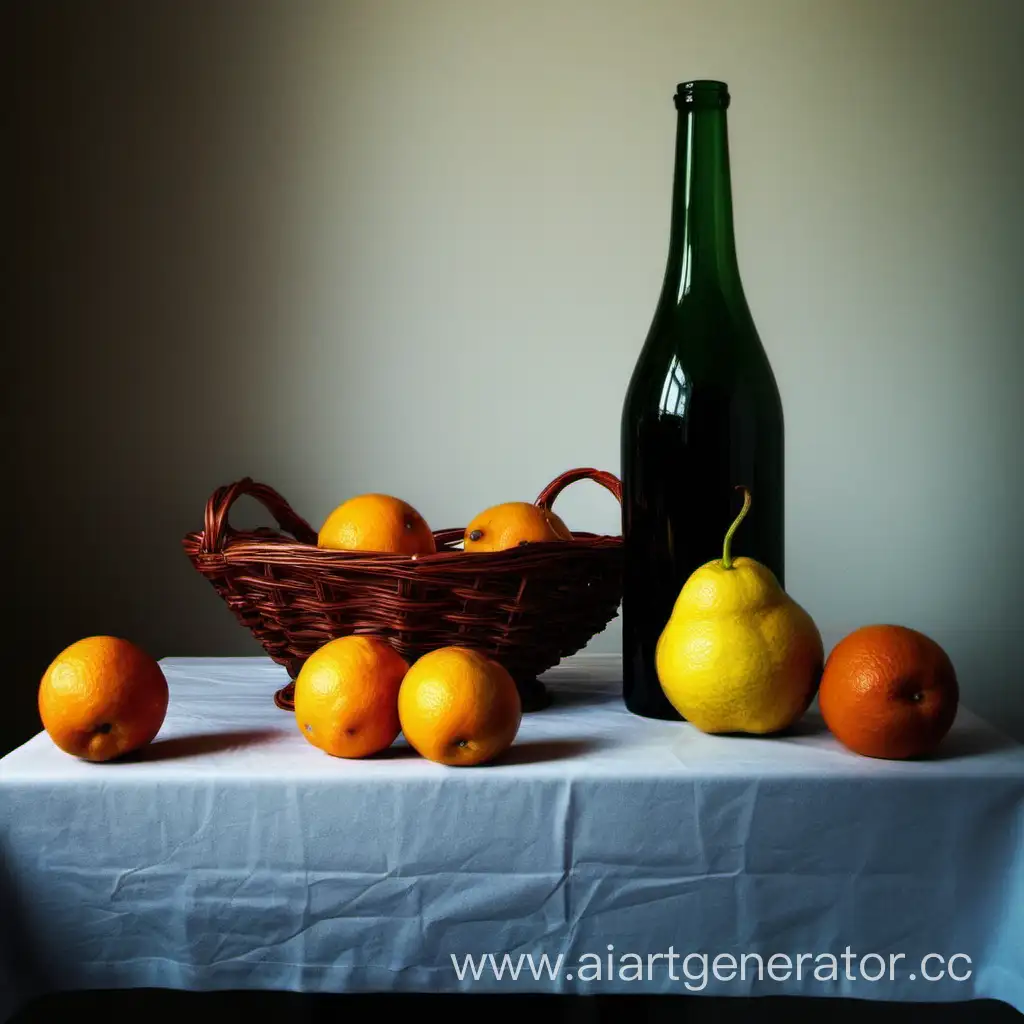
[(726, 553)]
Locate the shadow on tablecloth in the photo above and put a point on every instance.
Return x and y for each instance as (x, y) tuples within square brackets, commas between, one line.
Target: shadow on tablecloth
[(198, 744), (22, 976), (158, 1007)]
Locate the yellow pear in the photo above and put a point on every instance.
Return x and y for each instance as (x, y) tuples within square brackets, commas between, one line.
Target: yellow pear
[(738, 654)]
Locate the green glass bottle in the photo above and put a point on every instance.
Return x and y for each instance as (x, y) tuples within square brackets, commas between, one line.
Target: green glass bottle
[(702, 414)]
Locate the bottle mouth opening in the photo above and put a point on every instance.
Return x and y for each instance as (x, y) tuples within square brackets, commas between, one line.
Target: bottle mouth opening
[(703, 94)]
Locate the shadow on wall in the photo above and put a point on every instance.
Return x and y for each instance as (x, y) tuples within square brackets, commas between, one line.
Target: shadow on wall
[(138, 310), (218, 205)]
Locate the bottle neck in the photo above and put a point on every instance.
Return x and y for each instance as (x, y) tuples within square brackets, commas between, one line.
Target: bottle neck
[(702, 247)]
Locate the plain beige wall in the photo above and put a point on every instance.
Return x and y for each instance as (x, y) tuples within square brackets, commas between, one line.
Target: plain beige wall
[(415, 245)]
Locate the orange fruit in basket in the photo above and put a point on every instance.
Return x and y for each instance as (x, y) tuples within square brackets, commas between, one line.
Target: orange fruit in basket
[(563, 531), (102, 697), (513, 523), (888, 692), (346, 696), (377, 522), (459, 707)]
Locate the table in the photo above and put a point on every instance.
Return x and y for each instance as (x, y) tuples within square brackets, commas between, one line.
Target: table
[(232, 854)]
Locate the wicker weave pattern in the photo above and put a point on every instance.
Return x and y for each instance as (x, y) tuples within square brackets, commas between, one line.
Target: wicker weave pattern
[(528, 607)]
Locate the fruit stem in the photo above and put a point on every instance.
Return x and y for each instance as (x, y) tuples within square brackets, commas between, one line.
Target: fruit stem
[(726, 553)]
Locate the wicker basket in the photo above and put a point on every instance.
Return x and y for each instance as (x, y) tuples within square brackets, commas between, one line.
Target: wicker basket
[(527, 607)]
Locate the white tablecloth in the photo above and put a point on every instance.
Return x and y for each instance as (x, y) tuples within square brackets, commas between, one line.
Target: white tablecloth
[(235, 855)]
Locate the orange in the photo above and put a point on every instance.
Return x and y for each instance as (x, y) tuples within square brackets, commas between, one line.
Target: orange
[(346, 696), (458, 707), (563, 531), (511, 524), (889, 692), (102, 697), (377, 522)]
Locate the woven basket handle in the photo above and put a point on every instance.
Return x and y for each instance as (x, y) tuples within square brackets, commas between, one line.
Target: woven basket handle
[(216, 527), (609, 481)]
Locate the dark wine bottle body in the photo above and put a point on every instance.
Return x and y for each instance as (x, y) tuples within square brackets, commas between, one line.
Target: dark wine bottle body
[(702, 417)]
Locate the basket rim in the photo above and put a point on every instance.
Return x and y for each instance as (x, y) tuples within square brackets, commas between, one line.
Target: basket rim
[(295, 539), (272, 545)]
